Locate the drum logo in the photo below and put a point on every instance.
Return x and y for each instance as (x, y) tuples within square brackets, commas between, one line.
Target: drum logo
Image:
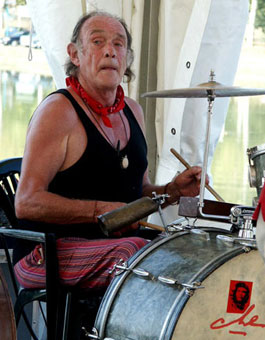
[(239, 296), (239, 302)]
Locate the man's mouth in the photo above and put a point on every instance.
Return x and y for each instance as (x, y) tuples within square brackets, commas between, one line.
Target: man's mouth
[(108, 68)]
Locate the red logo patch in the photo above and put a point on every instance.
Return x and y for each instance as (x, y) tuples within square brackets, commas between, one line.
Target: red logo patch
[(239, 296)]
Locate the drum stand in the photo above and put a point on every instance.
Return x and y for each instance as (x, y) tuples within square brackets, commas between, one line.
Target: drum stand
[(241, 216), (210, 97)]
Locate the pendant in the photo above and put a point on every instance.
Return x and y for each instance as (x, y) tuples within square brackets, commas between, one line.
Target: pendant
[(124, 162)]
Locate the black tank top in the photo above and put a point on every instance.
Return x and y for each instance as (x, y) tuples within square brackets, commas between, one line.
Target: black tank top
[(97, 175)]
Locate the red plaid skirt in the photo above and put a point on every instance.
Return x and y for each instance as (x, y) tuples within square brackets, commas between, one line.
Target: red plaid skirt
[(83, 263)]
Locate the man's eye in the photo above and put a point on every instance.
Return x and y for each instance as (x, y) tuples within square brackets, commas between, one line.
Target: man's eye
[(97, 42)]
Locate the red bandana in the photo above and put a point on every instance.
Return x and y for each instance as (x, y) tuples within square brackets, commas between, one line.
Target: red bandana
[(96, 106)]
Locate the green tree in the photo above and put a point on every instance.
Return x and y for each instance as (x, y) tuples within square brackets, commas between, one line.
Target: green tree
[(21, 2), (260, 15)]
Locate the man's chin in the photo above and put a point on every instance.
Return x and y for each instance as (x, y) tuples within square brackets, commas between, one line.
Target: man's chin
[(110, 84)]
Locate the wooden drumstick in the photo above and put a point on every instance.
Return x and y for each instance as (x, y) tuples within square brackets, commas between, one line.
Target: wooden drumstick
[(151, 226), (207, 186)]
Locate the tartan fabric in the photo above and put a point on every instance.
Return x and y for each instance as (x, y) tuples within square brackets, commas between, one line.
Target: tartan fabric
[(83, 263)]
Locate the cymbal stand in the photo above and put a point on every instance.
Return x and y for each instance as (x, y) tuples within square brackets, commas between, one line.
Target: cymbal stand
[(211, 97)]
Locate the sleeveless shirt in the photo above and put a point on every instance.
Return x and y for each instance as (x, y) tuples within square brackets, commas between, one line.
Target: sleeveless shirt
[(98, 174)]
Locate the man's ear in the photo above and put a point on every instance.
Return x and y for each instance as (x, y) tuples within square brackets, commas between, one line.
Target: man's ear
[(73, 53)]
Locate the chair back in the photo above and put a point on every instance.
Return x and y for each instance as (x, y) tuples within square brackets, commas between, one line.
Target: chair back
[(55, 293), (7, 317), (9, 174)]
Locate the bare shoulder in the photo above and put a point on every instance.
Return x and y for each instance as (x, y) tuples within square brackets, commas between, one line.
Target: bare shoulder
[(52, 126), (48, 135), (56, 111), (137, 111)]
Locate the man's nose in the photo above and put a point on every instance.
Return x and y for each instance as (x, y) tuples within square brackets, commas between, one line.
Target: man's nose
[(110, 51)]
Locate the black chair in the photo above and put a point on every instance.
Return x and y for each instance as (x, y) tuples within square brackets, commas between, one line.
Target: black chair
[(59, 300)]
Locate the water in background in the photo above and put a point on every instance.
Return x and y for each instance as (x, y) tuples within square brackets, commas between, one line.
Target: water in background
[(20, 94), (245, 128)]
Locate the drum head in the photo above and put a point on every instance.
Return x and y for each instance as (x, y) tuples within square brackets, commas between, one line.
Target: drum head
[(211, 313)]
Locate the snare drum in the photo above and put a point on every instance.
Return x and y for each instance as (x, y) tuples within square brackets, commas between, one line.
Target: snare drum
[(256, 158), (182, 287)]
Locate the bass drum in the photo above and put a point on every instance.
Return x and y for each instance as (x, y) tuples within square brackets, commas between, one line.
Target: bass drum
[(198, 287)]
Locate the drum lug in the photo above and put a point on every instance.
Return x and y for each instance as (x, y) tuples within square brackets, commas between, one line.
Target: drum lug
[(188, 286), (247, 249), (95, 335), (121, 266), (91, 336), (247, 243), (143, 273), (191, 229), (200, 233), (189, 292)]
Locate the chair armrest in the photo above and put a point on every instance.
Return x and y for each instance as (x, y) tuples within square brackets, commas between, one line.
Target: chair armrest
[(23, 234)]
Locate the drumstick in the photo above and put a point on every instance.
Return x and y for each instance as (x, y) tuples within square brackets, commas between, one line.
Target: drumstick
[(151, 226), (182, 160)]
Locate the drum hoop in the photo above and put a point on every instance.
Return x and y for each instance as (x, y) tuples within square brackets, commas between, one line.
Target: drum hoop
[(117, 282), (181, 300)]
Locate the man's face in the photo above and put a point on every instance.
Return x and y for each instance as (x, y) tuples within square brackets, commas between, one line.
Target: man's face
[(103, 55), (240, 293)]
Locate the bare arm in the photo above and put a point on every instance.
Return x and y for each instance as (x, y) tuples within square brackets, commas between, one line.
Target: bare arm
[(47, 151)]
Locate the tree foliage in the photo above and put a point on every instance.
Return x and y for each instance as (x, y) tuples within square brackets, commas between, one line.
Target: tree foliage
[(21, 2), (260, 15)]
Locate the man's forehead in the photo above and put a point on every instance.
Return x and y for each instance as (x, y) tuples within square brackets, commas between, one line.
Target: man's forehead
[(101, 24)]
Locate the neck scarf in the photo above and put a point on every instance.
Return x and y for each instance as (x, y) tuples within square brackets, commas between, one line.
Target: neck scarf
[(96, 106)]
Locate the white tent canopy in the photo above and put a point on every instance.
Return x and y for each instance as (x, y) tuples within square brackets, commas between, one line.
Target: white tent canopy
[(194, 37)]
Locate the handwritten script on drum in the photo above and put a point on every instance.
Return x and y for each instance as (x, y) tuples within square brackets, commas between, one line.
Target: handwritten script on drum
[(243, 321)]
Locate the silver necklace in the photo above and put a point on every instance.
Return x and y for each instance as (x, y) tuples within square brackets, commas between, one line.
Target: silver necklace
[(124, 161)]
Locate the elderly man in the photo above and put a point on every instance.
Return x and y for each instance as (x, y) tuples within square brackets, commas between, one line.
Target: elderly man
[(85, 155)]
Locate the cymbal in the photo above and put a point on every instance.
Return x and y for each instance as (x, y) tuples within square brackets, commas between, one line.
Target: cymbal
[(205, 90)]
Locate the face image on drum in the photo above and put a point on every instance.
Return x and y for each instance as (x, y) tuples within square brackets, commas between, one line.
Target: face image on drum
[(230, 306), (239, 296)]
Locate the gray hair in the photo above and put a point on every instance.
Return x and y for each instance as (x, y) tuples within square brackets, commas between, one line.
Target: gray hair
[(72, 70)]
